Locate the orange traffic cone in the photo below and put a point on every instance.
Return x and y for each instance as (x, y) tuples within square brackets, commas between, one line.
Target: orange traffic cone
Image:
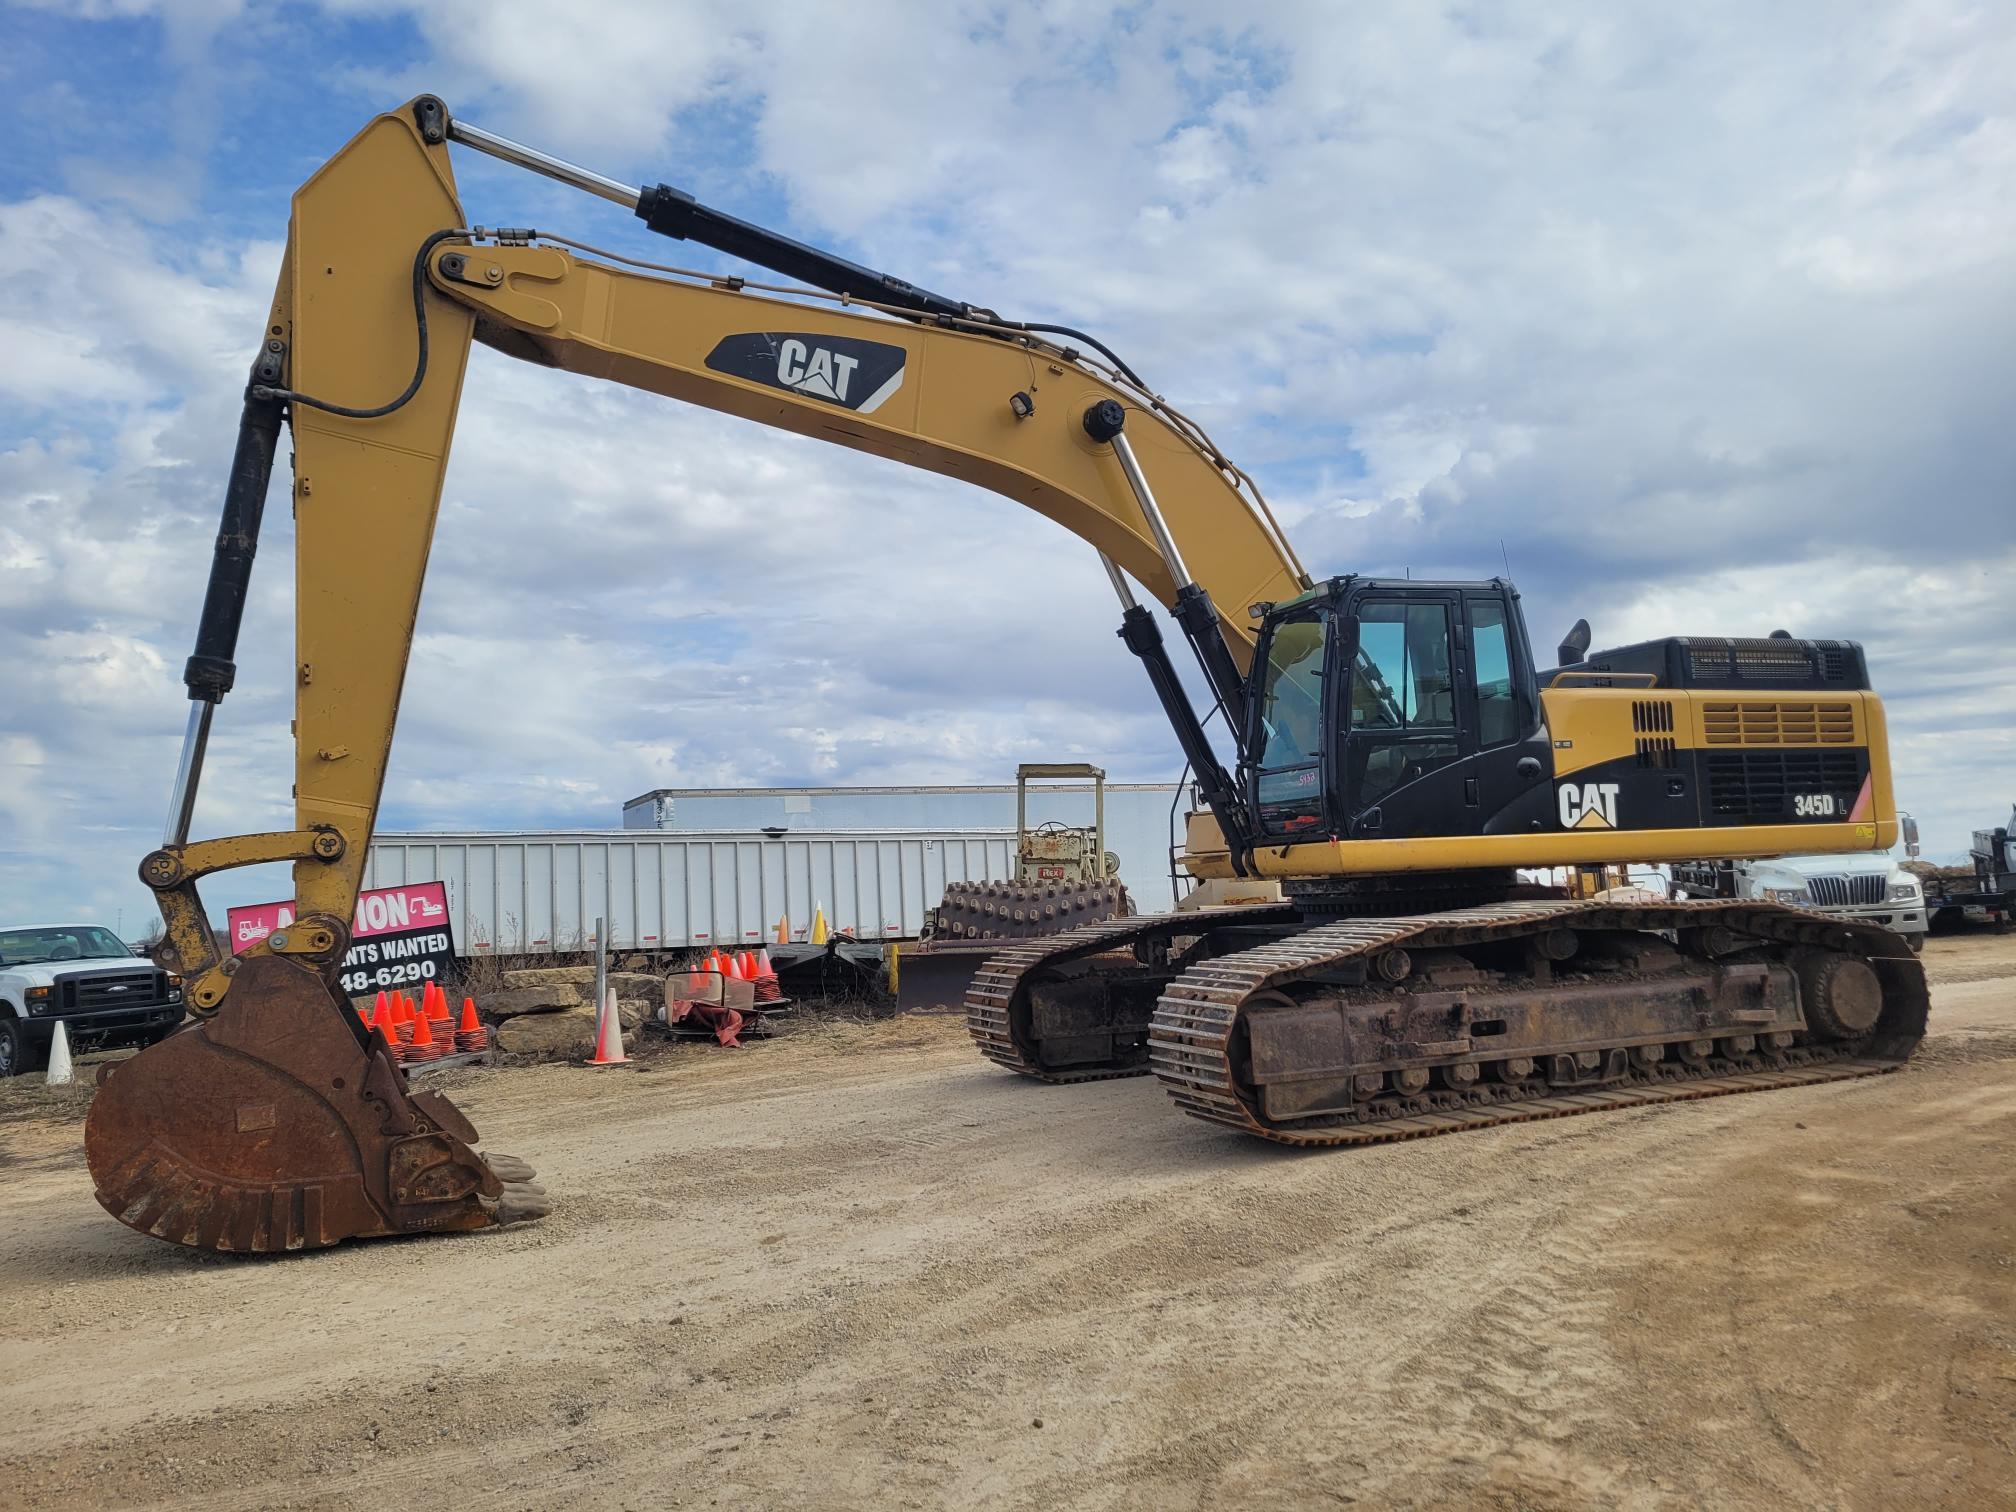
[(731, 967), (470, 1033), (437, 1010), (609, 1034), (767, 988), (377, 1008), (784, 929), (402, 1019)]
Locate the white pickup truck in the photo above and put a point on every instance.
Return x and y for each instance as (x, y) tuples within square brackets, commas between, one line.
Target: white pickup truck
[(1870, 889), (85, 978)]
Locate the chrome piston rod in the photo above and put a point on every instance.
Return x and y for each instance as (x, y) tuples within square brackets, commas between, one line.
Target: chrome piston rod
[(541, 162), (189, 772), (1145, 497), (1118, 580)]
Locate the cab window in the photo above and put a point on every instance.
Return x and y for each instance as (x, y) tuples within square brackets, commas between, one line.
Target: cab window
[(1403, 699), (1288, 777), (1491, 655), (1291, 694), (1403, 679)]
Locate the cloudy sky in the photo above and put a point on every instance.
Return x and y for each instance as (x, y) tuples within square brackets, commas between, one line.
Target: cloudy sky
[(1702, 317)]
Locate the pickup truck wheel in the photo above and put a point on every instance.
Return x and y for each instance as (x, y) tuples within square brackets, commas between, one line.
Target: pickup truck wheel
[(17, 1058)]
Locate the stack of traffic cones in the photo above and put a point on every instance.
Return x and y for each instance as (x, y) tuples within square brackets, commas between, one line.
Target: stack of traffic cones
[(470, 1033), (765, 978), (402, 1017), (386, 1021), (440, 1022), (423, 1048)]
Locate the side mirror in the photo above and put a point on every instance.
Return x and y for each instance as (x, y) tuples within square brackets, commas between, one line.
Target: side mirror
[(1909, 826)]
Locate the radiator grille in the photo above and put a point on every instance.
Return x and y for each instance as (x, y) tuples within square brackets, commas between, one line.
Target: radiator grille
[(1770, 659), (1792, 722), (1652, 724), (116, 989), (1760, 785), (1840, 892)]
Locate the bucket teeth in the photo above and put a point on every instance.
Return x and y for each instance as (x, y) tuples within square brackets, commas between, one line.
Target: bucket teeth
[(509, 1167)]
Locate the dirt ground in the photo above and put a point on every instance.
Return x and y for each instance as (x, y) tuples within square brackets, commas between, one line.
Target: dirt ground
[(856, 1267)]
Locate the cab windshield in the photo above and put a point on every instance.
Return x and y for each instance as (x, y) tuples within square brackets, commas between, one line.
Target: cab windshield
[(71, 942), (1289, 760)]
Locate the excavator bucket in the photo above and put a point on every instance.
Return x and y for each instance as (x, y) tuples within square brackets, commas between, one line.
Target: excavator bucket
[(280, 1123)]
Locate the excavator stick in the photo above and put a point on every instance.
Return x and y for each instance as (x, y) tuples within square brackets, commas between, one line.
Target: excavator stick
[(279, 1123), (275, 1120)]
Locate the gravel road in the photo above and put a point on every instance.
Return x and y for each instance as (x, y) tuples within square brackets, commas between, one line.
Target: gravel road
[(857, 1267)]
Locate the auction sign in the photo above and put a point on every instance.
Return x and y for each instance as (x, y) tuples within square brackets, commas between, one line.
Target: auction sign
[(400, 937)]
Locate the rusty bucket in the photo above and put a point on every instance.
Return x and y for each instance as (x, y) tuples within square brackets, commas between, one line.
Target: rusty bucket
[(281, 1123)]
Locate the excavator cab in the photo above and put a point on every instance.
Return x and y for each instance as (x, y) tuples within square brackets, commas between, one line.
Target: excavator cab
[(1385, 708)]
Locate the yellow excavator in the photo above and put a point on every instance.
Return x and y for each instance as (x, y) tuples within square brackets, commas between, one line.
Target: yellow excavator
[(1400, 755)]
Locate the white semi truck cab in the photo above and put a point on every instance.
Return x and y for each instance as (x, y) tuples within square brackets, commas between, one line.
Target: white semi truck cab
[(1870, 889)]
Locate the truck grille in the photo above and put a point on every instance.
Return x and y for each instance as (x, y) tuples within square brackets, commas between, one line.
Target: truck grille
[(1840, 892), (113, 990)]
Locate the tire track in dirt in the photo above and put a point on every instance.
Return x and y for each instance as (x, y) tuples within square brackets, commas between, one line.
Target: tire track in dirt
[(847, 1279)]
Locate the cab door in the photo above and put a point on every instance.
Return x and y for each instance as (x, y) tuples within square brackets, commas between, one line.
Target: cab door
[(1506, 779), (1406, 724), (1441, 735)]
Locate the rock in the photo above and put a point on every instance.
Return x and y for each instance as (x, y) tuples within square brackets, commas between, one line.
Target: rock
[(551, 976), (559, 1035), (560, 997), (636, 984), (630, 1012)]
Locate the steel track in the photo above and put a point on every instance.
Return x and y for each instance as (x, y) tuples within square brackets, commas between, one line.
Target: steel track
[(1191, 1038), (993, 1000)]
